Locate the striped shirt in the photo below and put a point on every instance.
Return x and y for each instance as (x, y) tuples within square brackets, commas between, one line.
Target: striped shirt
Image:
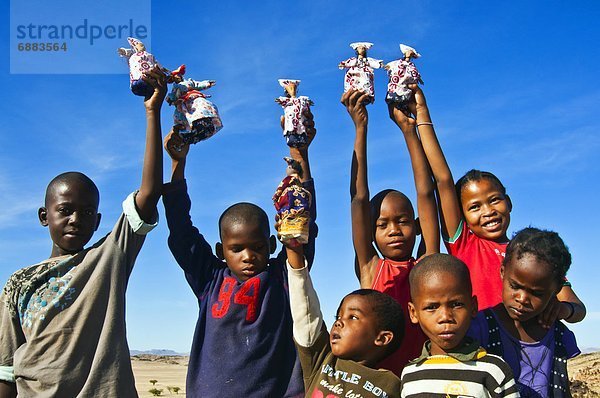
[(474, 373)]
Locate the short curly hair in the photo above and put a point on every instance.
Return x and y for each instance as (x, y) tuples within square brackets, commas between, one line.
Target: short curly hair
[(545, 245), (388, 313)]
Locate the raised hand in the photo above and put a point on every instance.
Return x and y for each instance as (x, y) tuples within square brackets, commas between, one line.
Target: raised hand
[(158, 80), (175, 146), (355, 101)]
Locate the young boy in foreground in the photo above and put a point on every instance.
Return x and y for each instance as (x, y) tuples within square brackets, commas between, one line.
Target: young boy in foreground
[(243, 345), (451, 364), (62, 321), (369, 326)]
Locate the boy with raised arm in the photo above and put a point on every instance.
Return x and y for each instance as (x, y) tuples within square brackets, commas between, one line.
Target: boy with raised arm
[(388, 223), (243, 345), (62, 321), (368, 327)]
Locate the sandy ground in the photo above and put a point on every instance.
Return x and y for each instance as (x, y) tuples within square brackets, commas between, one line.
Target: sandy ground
[(584, 372), (170, 371)]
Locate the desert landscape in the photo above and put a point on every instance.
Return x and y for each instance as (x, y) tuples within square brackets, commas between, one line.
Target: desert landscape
[(164, 375), (159, 375)]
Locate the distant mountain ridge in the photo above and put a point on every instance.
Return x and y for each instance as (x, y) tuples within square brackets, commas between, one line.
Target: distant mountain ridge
[(157, 352)]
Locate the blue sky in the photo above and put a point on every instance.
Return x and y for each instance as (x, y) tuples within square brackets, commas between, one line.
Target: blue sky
[(512, 87)]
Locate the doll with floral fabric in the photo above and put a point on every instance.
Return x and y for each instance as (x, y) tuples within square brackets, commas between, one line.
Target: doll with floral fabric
[(359, 75), (195, 117), (294, 110), (140, 62), (292, 203), (401, 73)]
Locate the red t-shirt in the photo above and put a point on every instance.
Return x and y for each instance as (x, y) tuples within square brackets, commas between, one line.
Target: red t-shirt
[(483, 258), (391, 278)]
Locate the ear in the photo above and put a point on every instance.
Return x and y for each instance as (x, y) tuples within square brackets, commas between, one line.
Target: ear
[(272, 244), (418, 226), (43, 216), (412, 313), (98, 218), (384, 338), (502, 272), (474, 307), (509, 203), (219, 251)]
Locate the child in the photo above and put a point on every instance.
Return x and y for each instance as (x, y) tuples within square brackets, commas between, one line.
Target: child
[(243, 345), (389, 221), (451, 364), (62, 330), (475, 216), (532, 274), (368, 327)]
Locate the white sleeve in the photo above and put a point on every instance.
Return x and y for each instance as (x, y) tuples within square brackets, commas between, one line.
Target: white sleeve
[(136, 223), (7, 374), (305, 307)]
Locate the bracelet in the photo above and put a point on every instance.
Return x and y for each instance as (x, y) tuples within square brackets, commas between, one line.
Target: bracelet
[(424, 124), (572, 310)]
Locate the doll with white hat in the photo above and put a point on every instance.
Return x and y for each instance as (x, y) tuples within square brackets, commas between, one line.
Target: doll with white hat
[(401, 73), (294, 110), (292, 203), (195, 117), (359, 74)]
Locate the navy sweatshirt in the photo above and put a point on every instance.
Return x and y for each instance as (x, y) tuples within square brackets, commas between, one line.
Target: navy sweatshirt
[(243, 344)]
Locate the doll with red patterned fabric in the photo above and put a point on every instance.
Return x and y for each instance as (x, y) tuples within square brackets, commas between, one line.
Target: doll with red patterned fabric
[(292, 203), (359, 75), (140, 62), (196, 117), (295, 109), (401, 73)]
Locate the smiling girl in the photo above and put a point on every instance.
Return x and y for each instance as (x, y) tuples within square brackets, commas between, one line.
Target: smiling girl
[(474, 218)]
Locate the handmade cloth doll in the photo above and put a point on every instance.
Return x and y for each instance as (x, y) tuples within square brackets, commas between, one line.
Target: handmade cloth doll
[(196, 117), (294, 109), (292, 203), (359, 75), (140, 61), (401, 73)]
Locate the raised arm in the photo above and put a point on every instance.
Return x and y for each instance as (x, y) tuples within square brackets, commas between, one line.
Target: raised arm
[(362, 225), (301, 155), (426, 203), (304, 303), (566, 305), (192, 252), (152, 173), (178, 152), (450, 210)]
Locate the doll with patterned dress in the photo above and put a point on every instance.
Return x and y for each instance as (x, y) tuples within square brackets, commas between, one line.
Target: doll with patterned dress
[(140, 62), (292, 203), (359, 74), (294, 109), (195, 118), (401, 73)]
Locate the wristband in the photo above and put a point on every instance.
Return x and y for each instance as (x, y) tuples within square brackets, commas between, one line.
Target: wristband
[(572, 310), (424, 124)]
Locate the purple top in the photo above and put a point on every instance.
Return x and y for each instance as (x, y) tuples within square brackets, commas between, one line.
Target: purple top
[(531, 362), (243, 345)]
